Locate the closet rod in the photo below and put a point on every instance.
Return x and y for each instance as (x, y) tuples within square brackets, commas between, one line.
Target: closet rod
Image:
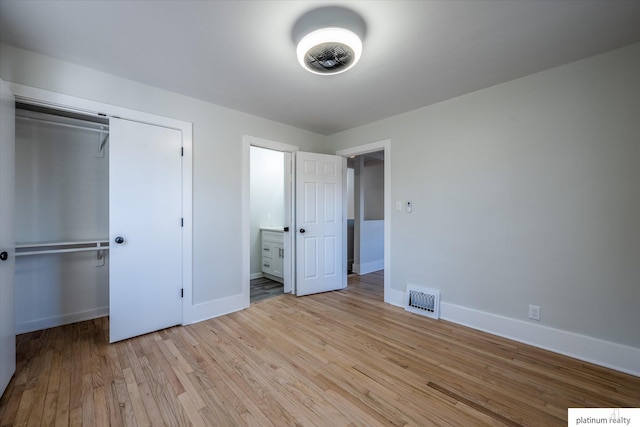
[(51, 122), (23, 249), (62, 251), (27, 245)]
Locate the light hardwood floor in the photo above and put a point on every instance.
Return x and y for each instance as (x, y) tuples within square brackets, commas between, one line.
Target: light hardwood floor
[(333, 359)]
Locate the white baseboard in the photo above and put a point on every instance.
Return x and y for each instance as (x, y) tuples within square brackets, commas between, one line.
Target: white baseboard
[(274, 278), (394, 297), (368, 267), (593, 350), (256, 276), (52, 322), (210, 309)]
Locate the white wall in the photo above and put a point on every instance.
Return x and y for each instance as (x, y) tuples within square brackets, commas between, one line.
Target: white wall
[(525, 193), (267, 198), (371, 256), (217, 154)]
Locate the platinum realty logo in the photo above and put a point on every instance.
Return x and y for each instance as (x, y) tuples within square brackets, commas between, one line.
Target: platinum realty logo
[(604, 417)]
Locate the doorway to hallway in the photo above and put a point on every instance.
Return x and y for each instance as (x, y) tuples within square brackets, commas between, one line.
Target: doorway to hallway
[(383, 268)]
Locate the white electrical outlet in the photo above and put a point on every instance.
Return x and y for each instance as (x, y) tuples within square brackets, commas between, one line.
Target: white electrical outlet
[(534, 312)]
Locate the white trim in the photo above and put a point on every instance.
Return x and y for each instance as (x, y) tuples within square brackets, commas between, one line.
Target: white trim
[(389, 294), (72, 103), (604, 353), (65, 319), (394, 297), (345, 226), (81, 105), (368, 267), (267, 143), (247, 142), (256, 276)]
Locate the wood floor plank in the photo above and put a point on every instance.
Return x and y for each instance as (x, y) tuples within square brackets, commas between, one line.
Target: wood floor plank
[(341, 358), (137, 404)]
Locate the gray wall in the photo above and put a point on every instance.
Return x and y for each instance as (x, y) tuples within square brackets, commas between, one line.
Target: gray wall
[(373, 177), (525, 193)]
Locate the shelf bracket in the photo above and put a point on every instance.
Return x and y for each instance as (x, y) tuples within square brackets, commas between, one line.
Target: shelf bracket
[(100, 258), (103, 137)]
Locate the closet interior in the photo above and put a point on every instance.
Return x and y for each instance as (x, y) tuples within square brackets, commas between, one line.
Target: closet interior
[(61, 217)]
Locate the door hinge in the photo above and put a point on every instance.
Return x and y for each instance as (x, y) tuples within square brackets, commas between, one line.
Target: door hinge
[(181, 222), (182, 293), (182, 151)]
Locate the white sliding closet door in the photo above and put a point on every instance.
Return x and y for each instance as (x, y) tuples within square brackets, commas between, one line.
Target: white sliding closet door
[(7, 241), (145, 210)]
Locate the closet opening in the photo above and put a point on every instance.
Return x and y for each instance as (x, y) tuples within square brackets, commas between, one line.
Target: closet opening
[(61, 217)]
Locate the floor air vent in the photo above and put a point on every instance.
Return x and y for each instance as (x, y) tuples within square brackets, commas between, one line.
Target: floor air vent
[(423, 301)]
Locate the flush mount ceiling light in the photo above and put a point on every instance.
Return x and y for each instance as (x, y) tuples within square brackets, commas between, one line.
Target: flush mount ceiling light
[(329, 40)]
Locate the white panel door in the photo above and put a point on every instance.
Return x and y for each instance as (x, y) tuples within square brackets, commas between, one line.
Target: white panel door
[(318, 223), (145, 249), (7, 240)]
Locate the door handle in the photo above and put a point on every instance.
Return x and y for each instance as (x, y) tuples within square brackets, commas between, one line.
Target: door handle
[(4, 256), (119, 240), (302, 230)]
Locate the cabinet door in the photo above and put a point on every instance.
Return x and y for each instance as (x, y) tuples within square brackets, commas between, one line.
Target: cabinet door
[(7, 241), (145, 210), (278, 259), (267, 257)]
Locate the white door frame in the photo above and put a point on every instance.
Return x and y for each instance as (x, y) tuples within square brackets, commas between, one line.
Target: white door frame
[(384, 145), (72, 103), (247, 142), (7, 240)]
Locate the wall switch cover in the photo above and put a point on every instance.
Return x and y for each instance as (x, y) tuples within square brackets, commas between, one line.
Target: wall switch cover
[(409, 207), (399, 205)]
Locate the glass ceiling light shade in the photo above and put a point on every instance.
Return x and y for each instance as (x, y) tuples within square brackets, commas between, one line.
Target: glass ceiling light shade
[(328, 39), (329, 50)]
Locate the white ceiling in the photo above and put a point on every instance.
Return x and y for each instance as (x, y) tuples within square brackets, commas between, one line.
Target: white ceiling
[(239, 54)]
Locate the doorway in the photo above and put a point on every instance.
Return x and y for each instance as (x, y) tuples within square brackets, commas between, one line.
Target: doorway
[(383, 150), (268, 219), (248, 142), (365, 219), (267, 263)]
